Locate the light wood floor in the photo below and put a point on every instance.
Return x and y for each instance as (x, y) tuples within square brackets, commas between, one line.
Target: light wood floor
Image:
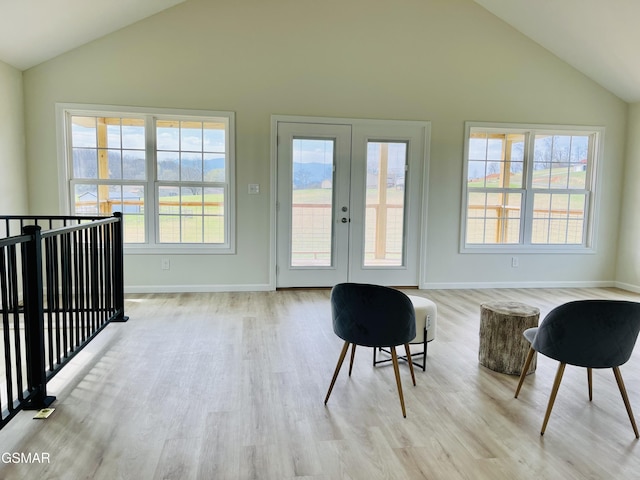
[(231, 386)]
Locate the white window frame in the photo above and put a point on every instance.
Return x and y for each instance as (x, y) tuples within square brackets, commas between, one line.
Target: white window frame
[(592, 188), (64, 111)]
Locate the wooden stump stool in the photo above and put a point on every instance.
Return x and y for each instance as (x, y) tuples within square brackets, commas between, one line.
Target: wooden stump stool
[(502, 345)]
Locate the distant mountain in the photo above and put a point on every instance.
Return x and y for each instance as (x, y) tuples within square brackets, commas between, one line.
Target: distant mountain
[(209, 164), (310, 175), (85, 164)]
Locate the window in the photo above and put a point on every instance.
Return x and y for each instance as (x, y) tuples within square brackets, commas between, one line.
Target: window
[(529, 187), (169, 172)]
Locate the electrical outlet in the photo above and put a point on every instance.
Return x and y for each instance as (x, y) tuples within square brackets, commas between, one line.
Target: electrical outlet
[(515, 262), (165, 264)]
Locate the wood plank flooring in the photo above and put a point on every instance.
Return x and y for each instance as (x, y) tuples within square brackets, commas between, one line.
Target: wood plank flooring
[(231, 386)]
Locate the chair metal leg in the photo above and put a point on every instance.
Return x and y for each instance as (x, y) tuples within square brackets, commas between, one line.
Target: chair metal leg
[(394, 358), (590, 382), (353, 355), (408, 351), (424, 351), (552, 398), (625, 398), (335, 374), (377, 350), (525, 369)]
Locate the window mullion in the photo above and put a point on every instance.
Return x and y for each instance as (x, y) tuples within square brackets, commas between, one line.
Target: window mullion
[(559, 172), (528, 195), (205, 143), (151, 194)]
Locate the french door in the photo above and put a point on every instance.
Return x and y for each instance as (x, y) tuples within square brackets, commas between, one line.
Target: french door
[(349, 202)]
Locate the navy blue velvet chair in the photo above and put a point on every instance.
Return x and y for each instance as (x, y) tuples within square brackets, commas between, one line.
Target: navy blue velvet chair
[(586, 333), (372, 316)]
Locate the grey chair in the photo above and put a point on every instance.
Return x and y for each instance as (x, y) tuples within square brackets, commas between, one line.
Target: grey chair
[(372, 316), (586, 333)]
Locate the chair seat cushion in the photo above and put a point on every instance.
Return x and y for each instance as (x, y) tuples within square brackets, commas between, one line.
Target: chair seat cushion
[(590, 333), (426, 315), (530, 334), (372, 315)]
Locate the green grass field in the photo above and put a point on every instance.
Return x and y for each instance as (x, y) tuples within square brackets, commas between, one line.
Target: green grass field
[(191, 222), (494, 217), (311, 235)]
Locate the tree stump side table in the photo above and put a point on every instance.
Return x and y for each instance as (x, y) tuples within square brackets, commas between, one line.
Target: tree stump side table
[(503, 348)]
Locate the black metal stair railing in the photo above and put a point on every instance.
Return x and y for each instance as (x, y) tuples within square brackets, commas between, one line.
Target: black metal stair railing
[(58, 289)]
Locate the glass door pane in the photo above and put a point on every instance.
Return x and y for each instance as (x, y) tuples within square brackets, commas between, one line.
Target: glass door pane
[(312, 202), (312, 207), (349, 203), (385, 203)]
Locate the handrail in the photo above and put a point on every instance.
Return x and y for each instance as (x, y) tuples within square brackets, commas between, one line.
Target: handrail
[(58, 289), (80, 226)]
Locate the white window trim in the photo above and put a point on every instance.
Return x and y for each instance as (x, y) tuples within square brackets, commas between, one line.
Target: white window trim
[(593, 174), (65, 182)]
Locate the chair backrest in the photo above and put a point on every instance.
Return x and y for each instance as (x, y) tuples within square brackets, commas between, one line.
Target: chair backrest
[(590, 333), (372, 315)]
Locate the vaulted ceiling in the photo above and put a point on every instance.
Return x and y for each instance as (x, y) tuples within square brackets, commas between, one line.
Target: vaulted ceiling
[(599, 38), (33, 31)]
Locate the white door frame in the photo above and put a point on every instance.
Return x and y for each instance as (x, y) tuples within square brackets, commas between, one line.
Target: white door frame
[(425, 125)]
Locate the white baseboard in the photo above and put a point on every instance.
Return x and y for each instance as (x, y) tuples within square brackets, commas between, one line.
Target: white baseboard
[(627, 286), (545, 284), (264, 287), (197, 288)]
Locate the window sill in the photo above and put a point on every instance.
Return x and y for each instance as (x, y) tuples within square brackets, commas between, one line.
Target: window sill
[(524, 249), (178, 250)]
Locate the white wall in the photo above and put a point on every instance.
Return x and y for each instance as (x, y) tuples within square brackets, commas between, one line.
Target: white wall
[(628, 271), (446, 61), (13, 181)]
